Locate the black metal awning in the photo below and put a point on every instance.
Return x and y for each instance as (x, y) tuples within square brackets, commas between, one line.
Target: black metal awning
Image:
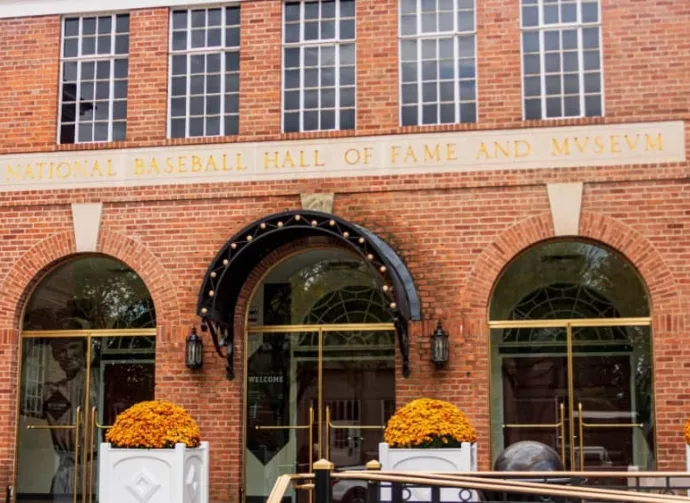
[(234, 263)]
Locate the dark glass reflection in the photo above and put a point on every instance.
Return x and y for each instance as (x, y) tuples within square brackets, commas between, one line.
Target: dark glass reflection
[(90, 293), (569, 279)]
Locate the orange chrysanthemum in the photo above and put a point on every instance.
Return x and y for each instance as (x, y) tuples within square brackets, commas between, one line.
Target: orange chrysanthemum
[(686, 432), (429, 423), (156, 424)]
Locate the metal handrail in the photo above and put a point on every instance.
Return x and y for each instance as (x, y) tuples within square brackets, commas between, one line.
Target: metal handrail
[(485, 481)]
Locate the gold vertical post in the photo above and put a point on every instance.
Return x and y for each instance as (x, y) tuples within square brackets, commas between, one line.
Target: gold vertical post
[(87, 444), (582, 437), (320, 392), (92, 426), (562, 411), (76, 454), (571, 398), (328, 432)]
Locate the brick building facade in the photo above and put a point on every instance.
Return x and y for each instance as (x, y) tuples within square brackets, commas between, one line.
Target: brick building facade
[(457, 199)]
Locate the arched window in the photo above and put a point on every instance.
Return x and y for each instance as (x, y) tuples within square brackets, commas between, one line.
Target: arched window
[(90, 293), (87, 354), (571, 351)]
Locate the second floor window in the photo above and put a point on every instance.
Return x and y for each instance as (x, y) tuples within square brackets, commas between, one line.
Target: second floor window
[(204, 72), (561, 59), (319, 65), (95, 66), (437, 62)]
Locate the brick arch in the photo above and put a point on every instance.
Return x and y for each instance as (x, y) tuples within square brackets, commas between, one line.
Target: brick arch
[(654, 272), (31, 267)]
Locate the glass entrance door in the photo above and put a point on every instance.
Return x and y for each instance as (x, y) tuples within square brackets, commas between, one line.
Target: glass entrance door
[(72, 386), (581, 386), (315, 392)]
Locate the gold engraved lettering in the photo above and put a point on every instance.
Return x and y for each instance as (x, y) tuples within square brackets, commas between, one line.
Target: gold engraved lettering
[(432, 155), (615, 145), (450, 152), (483, 152), (352, 156), (28, 172), (525, 151), (182, 164), (63, 170), (211, 163), (96, 169), (196, 164), (581, 147), (632, 145), (138, 167), (153, 166), (650, 144), (39, 166), (600, 148), (288, 162), (395, 153), (12, 172), (78, 169), (562, 148), (317, 161), (410, 155), (169, 165), (238, 158), (271, 161)]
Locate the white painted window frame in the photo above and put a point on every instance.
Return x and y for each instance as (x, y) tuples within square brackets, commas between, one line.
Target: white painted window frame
[(31, 8), (80, 59), (541, 28), (221, 50), (456, 35), (335, 42)]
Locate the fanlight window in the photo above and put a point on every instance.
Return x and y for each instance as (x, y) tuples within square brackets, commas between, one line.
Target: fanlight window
[(90, 293)]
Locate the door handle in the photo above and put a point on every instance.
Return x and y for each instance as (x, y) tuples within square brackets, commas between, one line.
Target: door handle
[(583, 425), (74, 427), (309, 427), (330, 425), (559, 426), (94, 425)]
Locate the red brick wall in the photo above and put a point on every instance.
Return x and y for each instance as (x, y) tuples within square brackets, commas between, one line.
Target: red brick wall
[(455, 231)]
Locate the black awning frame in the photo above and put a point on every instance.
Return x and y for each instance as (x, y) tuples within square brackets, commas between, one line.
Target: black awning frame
[(230, 269)]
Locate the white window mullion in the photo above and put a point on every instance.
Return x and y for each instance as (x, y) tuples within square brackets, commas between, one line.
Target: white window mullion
[(581, 71), (542, 72)]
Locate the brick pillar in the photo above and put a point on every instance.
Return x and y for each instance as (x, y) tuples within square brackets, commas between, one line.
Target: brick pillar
[(29, 58), (377, 64), (498, 61), (260, 67), (147, 106), (9, 358)]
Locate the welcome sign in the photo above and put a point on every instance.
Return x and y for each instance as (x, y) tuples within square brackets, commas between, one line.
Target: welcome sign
[(562, 147)]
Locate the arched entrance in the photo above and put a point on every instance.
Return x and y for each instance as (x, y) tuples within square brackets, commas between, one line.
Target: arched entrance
[(571, 357), (322, 331), (87, 353), (320, 366)]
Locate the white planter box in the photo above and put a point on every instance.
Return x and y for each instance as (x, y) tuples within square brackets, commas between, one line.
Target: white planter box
[(461, 460), (178, 475)]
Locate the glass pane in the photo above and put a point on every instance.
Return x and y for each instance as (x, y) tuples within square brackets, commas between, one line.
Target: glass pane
[(282, 386), (359, 390), (341, 289), (90, 293), (53, 384), (122, 374), (612, 374), (569, 279)]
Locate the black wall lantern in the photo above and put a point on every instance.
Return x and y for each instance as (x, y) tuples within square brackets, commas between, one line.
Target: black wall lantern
[(194, 351), (439, 346)]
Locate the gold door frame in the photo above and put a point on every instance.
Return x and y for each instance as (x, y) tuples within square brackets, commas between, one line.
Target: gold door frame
[(291, 329), (87, 436), (568, 325)]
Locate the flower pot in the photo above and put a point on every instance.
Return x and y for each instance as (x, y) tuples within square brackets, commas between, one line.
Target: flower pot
[(453, 460), (179, 475)]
